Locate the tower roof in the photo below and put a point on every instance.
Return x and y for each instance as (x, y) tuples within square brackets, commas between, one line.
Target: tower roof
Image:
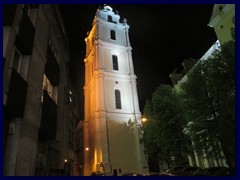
[(108, 8), (106, 13)]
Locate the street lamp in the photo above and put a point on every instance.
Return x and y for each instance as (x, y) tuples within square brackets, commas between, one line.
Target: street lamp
[(66, 167), (144, 119), (65, 160)]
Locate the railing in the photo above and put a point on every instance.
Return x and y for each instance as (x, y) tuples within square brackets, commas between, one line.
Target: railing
[(49, 118)]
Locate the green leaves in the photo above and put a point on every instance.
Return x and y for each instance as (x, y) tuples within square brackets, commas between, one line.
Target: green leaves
[(209, 95), (203, 107), (162, 131)]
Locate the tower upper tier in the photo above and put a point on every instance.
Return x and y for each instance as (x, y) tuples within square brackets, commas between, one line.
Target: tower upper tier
[(106, 13), (107, 28)]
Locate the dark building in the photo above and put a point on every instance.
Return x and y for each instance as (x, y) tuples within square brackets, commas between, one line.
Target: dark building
[(40, 111), (79, 149), (187, 64)]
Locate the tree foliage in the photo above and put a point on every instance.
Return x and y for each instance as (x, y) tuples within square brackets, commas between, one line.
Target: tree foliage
[(163, 129), (209, 94), (204, 105)]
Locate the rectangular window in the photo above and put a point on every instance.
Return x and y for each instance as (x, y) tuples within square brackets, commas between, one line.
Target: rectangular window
[(115, 62), (16, 61), (113, 35), (4, 61), (93, 41), (118, 99)]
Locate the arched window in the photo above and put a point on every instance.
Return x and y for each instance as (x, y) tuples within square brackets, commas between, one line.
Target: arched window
[(118, 99), (115, 62), (109, 18), (113, 36)]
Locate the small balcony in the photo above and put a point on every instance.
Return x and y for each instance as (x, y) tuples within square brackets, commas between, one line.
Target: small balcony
[(25, 37), (9, 11), (49, 118), (16, 95), (52, 69)]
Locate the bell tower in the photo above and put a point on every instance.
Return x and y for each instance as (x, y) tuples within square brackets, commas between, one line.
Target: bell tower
[(112, 118)]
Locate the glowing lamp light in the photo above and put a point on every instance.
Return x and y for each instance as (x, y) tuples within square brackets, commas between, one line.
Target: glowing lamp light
[(144, 119), (87, 149)]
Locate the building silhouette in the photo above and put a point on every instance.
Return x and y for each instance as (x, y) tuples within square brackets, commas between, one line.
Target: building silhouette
[(112, 118), (38, 100)]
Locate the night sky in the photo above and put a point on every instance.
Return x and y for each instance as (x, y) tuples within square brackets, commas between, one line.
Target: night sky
[(161, 36)]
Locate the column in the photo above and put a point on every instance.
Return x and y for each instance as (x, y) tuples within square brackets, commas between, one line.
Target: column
[(12, 147)]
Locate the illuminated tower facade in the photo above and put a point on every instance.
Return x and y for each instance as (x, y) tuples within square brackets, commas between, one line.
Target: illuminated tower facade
[(112, 117)]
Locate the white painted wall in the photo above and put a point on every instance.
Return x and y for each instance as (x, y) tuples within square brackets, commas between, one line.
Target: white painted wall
[(123, 61), (108, 136)]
